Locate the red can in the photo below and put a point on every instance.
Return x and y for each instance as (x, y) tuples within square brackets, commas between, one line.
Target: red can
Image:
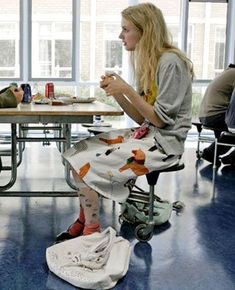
[(49, 91)]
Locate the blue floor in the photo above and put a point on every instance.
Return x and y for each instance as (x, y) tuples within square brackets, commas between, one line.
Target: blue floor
[(195, 250)]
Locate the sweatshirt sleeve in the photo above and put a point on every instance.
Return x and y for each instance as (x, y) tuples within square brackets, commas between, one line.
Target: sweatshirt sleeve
[(7, 99), (172, 79)]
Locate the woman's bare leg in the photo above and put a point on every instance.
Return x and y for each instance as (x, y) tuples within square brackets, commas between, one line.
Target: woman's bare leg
[(88, 221)]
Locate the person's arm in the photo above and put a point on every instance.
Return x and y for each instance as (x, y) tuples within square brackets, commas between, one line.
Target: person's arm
[(129, 109), (10, 97), (140, 108), (131, 102)]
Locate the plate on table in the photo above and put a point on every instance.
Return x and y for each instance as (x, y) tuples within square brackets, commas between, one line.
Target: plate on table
[(84, 100), (42, 102), (97, 125), (72, 100)]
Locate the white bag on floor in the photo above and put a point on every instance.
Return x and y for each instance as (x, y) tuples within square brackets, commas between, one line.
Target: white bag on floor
[(96, 261)]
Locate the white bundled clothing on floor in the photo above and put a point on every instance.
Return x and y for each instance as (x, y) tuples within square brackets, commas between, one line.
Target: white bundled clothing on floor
[(95, 261)]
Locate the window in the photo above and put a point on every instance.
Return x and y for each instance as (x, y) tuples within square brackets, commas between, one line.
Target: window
[(74, 42), (219, 49), (113, 59), (174, 31), (51, 39), (190, 41), (113, 49), (207, 40), (9, 39)]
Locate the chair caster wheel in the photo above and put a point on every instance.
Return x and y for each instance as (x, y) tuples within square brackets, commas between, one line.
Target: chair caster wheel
[(143, 232)]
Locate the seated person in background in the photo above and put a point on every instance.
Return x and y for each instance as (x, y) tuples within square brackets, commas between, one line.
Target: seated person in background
[(230, 121), (230, 114), (109, 163), (10, 97), (213, 109)]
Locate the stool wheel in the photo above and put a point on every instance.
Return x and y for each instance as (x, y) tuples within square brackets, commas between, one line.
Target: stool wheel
[(144, 232)]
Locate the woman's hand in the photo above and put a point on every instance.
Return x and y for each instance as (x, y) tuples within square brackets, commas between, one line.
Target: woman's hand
[(105, 80), (114, 85), (18, 92)]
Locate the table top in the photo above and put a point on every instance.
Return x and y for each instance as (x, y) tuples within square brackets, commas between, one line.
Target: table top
[(73, 113), (95, 108)]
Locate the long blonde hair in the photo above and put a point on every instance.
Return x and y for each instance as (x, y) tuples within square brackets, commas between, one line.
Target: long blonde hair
[(155, 40)]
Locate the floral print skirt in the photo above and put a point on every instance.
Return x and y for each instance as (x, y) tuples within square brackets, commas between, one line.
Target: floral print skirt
[(111, 161)]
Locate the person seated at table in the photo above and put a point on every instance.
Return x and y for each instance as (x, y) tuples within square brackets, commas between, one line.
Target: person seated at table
[(108, 164), (10, 97), (213, 109)]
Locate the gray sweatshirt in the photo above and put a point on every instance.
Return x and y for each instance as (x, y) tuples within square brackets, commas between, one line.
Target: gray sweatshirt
[(173, 103)]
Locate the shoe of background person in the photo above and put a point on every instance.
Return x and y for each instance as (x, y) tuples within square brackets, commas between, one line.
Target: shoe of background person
[(229, 159), (208, 156)]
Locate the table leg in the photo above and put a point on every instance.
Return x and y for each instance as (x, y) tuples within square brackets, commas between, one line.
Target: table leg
[(13, 160), (67, 145)]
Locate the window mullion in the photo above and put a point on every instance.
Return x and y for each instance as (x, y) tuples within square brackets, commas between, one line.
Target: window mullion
[(230, 34), (184, 25), (76, 44), (92, 51), (25, 40)]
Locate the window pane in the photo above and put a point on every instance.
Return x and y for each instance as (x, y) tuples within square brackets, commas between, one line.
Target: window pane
[(198, 93), (51, 39), (101, 49), (113, 49), (219, 48), (207, 26), (9, 39)]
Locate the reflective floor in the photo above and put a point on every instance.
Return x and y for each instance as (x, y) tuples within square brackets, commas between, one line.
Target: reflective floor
[(195, 250)]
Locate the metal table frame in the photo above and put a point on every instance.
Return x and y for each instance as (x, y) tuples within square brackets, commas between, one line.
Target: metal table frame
[(63, 118)]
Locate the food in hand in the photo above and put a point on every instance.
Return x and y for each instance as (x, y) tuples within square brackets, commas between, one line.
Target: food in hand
[(105, 81)]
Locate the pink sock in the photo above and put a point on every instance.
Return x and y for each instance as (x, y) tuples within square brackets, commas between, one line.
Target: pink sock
[(77, 227), (90, 229)]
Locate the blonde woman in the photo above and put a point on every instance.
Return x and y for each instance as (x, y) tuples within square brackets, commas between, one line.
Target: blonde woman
[(160, 103)]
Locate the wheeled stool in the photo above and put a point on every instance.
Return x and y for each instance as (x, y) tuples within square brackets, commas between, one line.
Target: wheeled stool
[(144, 231)]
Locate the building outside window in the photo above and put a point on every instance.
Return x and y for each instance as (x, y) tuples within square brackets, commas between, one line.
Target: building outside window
[(219, 48), (113, 49), (51, 39)]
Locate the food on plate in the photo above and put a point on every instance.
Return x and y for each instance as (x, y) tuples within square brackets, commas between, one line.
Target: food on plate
[(40, 99), (56, 102)]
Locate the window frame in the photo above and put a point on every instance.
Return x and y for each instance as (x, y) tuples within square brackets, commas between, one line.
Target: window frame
[(25, 62)]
